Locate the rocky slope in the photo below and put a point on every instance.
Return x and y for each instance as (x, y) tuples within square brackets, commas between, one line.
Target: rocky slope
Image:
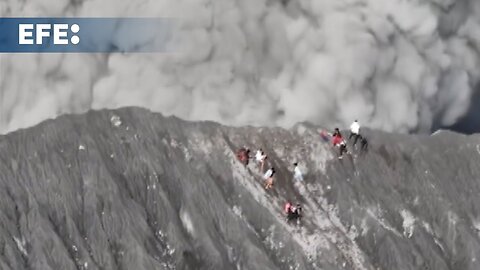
[(129, 189)]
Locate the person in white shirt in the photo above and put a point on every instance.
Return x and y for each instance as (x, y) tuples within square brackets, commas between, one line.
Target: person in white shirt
[(268, 176), (258, 155), (297, 174), (354, 132), (261, 158)]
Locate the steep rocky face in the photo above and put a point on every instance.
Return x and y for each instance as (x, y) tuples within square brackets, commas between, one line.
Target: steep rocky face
[(128, 189)]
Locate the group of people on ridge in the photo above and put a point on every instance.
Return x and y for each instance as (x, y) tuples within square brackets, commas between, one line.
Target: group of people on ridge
[(261, 159), (338, 141), (243, 155), (294, 212)]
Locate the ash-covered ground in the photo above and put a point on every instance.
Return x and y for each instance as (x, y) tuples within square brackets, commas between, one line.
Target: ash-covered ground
[(130, 189)]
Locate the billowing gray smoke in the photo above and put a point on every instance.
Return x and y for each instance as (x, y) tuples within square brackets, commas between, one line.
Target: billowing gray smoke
[(395, 65)]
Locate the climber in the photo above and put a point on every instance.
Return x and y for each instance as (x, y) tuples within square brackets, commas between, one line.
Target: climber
[(243, 155), (293, 212), (258, 155), (355, 132), (268, 177), (297, 174), (338, 141), (337, 138), (296, 212), (261, 158)]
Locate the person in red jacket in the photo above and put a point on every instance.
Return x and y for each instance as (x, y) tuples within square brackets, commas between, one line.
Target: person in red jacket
[(243, 155), (339, 142)]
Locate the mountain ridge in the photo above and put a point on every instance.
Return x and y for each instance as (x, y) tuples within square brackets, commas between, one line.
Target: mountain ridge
[(131, 189)]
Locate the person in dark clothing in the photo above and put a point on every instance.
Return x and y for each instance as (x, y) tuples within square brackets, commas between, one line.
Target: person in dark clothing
[(293, 212)]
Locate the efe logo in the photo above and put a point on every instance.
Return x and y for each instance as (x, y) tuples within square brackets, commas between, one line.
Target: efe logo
[(29, 34)]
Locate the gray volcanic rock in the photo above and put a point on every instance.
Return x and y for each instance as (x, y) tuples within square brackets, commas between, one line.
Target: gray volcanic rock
[(129, 189)]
